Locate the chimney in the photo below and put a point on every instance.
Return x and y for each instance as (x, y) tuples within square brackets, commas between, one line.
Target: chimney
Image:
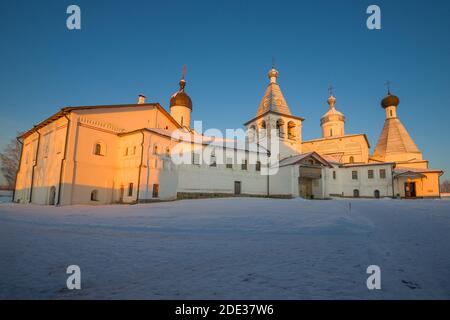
[(141, 99)]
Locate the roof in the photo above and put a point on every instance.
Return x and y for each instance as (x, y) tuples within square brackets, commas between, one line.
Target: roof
[(186, 136), (296, 159), (339, 137), (415, 171), (273, 100), (394, 139), (66, 110), (349, 165)]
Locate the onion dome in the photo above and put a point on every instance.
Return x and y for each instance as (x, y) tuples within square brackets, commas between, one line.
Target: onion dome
[(390, 100), (332, 114), (273, 73), (180, 98)]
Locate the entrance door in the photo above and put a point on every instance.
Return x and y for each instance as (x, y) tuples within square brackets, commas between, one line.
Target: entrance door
[(305, 188), (410, 189), (51, 196), (237, 187), (121, 193)]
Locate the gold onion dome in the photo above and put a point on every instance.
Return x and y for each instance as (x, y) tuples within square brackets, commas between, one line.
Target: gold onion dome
[(180, 98), (390, 100), (273, 73)]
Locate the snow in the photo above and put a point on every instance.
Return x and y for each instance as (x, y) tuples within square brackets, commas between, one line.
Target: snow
[(5, 196), (236, 248)]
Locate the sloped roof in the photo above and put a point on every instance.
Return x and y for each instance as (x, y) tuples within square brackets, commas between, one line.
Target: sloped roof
[(394, 139), (296, 159), (273, 100), (66, 110)]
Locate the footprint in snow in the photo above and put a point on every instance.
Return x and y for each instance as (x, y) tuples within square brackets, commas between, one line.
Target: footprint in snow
[(411, 285)]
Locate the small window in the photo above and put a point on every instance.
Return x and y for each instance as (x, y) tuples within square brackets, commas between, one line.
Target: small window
[(356, 193), (331, 132), (370, 174), (167, 152), (155, 193), (229, 163), (130, 189), (382, 173), (195, 159), (155, 149), (244, 165), (99, 149), (258, 165), (334, 175), (213, 162), (355, 175), (126, 151), (351, 159), (134, 150), (94, 195)]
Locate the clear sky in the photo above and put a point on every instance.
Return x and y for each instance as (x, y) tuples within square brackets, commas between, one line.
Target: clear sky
[(129, 47)]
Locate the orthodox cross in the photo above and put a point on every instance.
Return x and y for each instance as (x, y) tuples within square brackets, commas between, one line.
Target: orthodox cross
[(388, 86), (183, 72), (330, 90)]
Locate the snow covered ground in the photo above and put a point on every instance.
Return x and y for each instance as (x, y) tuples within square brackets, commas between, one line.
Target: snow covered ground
[(5, 196), (241, 248)]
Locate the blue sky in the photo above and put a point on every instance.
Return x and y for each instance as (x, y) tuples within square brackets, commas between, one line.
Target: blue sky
[(129, 47)]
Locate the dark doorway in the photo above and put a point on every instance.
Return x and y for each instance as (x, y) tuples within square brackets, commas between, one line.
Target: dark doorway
[(376, 194), (356, 193), (51, 196), (237, 187), (410, 189), (121, 193), (155, 191)]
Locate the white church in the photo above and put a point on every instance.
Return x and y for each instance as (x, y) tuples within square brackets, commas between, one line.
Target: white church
[(134, 153)]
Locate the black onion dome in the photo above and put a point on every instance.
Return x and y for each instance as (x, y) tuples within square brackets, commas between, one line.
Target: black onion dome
[(180, 98), (390, 100)]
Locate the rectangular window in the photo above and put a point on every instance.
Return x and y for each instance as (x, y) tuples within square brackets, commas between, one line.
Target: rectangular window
[(334, 175), (130, 189), (370, 174), (355, 175), (244, 165), (213, 161), (155, 191), (258, 165), (382, 173), (195, 159), (229, 163)]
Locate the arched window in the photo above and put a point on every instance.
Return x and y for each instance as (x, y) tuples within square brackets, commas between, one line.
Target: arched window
[(331, 132), (291, 130), (94, 195), (376, 194), (167, 152), (390, 112), (155, 149), (181, 121), (99, 149), (280, 128), (252, 133), (351, 159), (263, 128), (356, 193)]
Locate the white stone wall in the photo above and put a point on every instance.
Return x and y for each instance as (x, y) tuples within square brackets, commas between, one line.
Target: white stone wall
[(344, 185)]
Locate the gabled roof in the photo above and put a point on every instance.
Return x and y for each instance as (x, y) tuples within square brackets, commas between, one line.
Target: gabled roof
[(339, 137), (415, 171), (66, 110), (298, 158), (394, 139)]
